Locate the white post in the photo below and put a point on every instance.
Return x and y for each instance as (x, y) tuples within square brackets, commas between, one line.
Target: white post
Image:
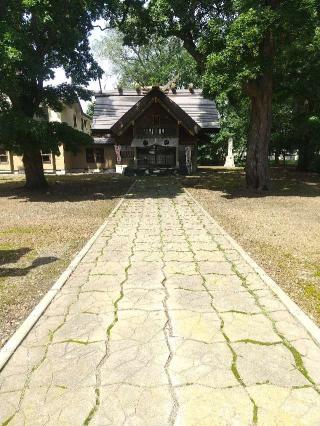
[(188, 150), (229, 164)]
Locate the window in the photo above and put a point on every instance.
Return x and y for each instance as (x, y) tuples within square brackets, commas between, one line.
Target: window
[(156, 120), (75, 124), (3, 156), (99, 152), (46, 157), (95, 155), (127, 152), (85, 123), (90, 155)]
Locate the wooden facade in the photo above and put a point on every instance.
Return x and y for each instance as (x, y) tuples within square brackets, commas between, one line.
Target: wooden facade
[(154, 130)]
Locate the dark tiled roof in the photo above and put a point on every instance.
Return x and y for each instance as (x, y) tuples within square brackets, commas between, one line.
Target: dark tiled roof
[(110, 107)]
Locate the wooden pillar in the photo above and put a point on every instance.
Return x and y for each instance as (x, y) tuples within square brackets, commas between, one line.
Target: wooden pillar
[(178, 144), (54, 164), (177, 157), (135, 157), (11, 162)]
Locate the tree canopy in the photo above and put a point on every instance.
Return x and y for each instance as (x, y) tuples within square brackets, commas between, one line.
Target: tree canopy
[(158, 61), (38, 37), (243, 48)]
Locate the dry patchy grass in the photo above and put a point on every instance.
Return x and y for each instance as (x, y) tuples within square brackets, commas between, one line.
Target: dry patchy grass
[(280, 229), (41, 233)]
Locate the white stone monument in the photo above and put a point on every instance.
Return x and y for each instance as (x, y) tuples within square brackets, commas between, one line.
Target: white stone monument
[(229, 164)]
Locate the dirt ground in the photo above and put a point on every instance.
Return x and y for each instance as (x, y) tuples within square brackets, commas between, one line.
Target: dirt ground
[(40, 234), (281, 229)]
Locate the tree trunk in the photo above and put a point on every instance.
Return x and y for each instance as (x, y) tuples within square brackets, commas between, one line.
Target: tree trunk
[(257, 169), (33, 167), (305, 155), (276, 157)]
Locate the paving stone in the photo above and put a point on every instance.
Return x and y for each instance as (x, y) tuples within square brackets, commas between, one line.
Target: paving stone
[(146, 256), (58, 405), (269, 301), (274, 364), (185, 282), (150, 247), (310, 355), (176, 247), (102, 283), (185, 268), (76, 367), (83, 269), (201, 363), (9, 404), (124, 404), (145, 267), (254, 282), (224, 283), (200, 406), (288, 326), (139, 326), (243, 302), (209, 256), (286, 406), (139, 364), (178, 256), (201, 326), (221, 268), (238, 326), (96, 302), (84, 327), (61, 304), (197, 301), (14, 377), (146, 299), (109, 268)]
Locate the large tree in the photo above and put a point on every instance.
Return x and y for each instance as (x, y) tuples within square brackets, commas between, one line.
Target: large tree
[(37, 37), (158, 61), (298, 96), (237, 45)]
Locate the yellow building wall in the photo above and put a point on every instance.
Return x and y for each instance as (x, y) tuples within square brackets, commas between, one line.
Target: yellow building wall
[(60, 160), (66, 116), (7, 167), (78, 162), (66, 161), (17, 163)]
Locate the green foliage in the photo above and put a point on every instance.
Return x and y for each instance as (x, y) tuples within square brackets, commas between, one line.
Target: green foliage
[(23, 134), (158, 61), (238, 45), (36, 37), (90, 109), (234, 123)]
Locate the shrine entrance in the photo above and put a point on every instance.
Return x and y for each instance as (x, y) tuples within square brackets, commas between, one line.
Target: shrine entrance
[(156, 156)]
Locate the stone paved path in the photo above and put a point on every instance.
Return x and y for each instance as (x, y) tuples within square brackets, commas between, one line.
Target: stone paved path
[(163, 323)]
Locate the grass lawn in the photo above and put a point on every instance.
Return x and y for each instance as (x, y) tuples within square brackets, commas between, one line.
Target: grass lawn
[(281, 229), (40, 234)]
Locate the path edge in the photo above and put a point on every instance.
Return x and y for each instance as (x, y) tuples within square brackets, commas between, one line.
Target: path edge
[(292, 307), (21, 333)]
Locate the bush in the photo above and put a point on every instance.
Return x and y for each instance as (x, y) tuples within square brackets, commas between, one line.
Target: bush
[(315, 165)]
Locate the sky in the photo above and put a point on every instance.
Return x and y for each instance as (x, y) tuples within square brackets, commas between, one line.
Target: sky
[(108, 81)]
